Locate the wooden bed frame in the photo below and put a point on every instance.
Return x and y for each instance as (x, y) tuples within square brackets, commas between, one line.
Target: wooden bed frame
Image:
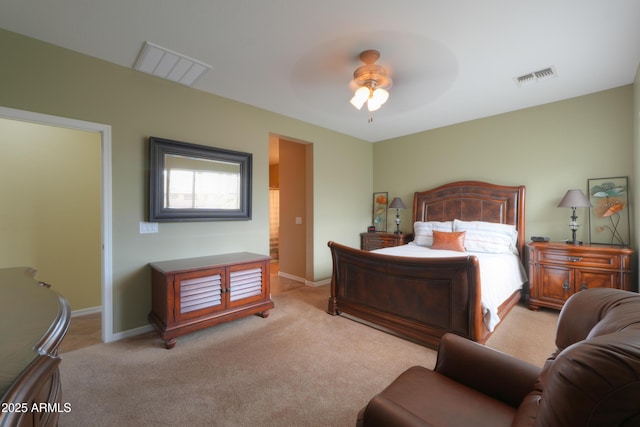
[(422, 298)]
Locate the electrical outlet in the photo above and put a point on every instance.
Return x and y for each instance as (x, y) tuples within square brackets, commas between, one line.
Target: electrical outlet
[(298, 220), (148, 227)]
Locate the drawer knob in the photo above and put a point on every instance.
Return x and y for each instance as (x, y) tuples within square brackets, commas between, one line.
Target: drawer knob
[(583, 286), (574, 258), (566, 286)]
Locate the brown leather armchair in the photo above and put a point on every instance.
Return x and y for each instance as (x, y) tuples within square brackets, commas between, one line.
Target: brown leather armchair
[(592, 379)]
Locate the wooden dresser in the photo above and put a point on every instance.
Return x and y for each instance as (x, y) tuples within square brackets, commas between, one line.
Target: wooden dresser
[(376, 240), (195, 293), (558, 270), (33, 321)]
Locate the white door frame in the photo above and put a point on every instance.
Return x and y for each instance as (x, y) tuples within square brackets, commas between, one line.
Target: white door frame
[(106, 223)]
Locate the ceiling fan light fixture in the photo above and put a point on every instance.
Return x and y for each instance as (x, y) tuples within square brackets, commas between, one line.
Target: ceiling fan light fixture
[(372, 105), (371, 81), (380, 95), (360, 97)]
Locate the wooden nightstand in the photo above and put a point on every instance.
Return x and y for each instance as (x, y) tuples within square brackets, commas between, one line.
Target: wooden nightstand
[(377, 240), (558, 270)]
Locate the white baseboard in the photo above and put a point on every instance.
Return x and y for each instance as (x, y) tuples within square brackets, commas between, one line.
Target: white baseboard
[(117, 336), (85, 311), (290, 276), (318, 283), (303, 280)]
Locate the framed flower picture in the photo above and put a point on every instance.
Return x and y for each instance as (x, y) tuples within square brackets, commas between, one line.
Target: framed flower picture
[(380, 201), (609, 222)]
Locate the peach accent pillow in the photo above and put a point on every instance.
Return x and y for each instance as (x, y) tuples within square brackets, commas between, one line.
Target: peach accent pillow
[(452, 241)]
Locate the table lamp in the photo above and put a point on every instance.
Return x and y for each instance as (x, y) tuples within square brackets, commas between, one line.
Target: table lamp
[(397, 205), (574, 199)]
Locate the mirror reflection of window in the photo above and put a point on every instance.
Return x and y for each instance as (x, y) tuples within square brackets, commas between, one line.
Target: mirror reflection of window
[(190, 182), (201, 184)]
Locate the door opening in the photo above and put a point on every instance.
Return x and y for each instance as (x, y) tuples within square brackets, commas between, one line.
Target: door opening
[(291, 206), (105, 199)]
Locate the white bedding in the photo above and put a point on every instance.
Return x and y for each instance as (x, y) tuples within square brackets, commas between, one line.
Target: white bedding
[(500, 274)]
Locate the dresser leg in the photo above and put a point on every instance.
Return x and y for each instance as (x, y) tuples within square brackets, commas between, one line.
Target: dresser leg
[(169, 344), (534, 307), (264, 314)]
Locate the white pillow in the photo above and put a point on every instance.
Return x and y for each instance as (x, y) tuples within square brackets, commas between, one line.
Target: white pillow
[(423, 231), (489, 237)]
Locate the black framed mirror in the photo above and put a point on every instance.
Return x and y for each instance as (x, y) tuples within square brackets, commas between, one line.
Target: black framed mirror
[(190, 182)]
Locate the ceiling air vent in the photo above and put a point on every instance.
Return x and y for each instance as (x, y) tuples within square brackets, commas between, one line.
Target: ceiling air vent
[(169, 65), (545, 74), (535, 76), (526, 79)]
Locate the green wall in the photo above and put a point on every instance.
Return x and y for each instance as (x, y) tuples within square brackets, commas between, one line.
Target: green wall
[(39, 77), (549, 149), (50, 210)]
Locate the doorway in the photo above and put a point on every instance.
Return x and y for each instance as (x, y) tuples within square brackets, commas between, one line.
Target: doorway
[(291, 206), (104, 132)]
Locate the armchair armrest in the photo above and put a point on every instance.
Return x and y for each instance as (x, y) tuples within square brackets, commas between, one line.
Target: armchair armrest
[(489, 371)]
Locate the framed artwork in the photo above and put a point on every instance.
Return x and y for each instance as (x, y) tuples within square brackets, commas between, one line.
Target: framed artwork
[(380, 201), (609, 222)]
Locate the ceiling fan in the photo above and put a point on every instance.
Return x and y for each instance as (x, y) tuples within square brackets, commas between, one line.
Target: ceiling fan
[(370, 82)]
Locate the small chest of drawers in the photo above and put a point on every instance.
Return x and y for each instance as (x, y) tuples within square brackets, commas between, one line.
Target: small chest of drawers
[(558, 270), (377, 240)]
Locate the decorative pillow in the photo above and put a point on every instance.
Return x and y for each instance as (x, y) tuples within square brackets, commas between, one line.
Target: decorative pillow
[(423, 231), (453, 240), (488, 237)]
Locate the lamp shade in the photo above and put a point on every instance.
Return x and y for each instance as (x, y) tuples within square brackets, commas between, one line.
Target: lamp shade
[(378, 97), (575, 199), (360, 97), (397, 203)]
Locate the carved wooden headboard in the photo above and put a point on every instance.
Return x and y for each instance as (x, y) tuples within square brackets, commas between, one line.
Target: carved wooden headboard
[(473, 201)]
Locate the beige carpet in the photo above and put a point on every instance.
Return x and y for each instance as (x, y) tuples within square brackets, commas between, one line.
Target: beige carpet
[(298, 367)]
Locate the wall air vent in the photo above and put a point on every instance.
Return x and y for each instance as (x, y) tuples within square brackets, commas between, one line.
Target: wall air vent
[(535, 76), (169, 65)]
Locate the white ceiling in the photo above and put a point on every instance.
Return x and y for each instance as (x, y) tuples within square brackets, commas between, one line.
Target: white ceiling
[(450, 60)]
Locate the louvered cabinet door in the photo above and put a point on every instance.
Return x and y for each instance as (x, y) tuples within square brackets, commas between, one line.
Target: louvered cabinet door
[(247, 283), (199, 293)]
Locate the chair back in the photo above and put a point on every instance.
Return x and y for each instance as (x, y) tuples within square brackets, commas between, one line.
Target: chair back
[(593, 378)]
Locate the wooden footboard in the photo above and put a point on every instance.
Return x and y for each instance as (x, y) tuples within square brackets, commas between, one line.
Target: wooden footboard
[(418, 298)]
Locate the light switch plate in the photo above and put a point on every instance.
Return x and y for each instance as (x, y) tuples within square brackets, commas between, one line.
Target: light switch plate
[(148, 227)]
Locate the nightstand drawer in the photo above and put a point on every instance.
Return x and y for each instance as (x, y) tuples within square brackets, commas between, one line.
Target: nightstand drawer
[(378, 240), (581, 259)]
